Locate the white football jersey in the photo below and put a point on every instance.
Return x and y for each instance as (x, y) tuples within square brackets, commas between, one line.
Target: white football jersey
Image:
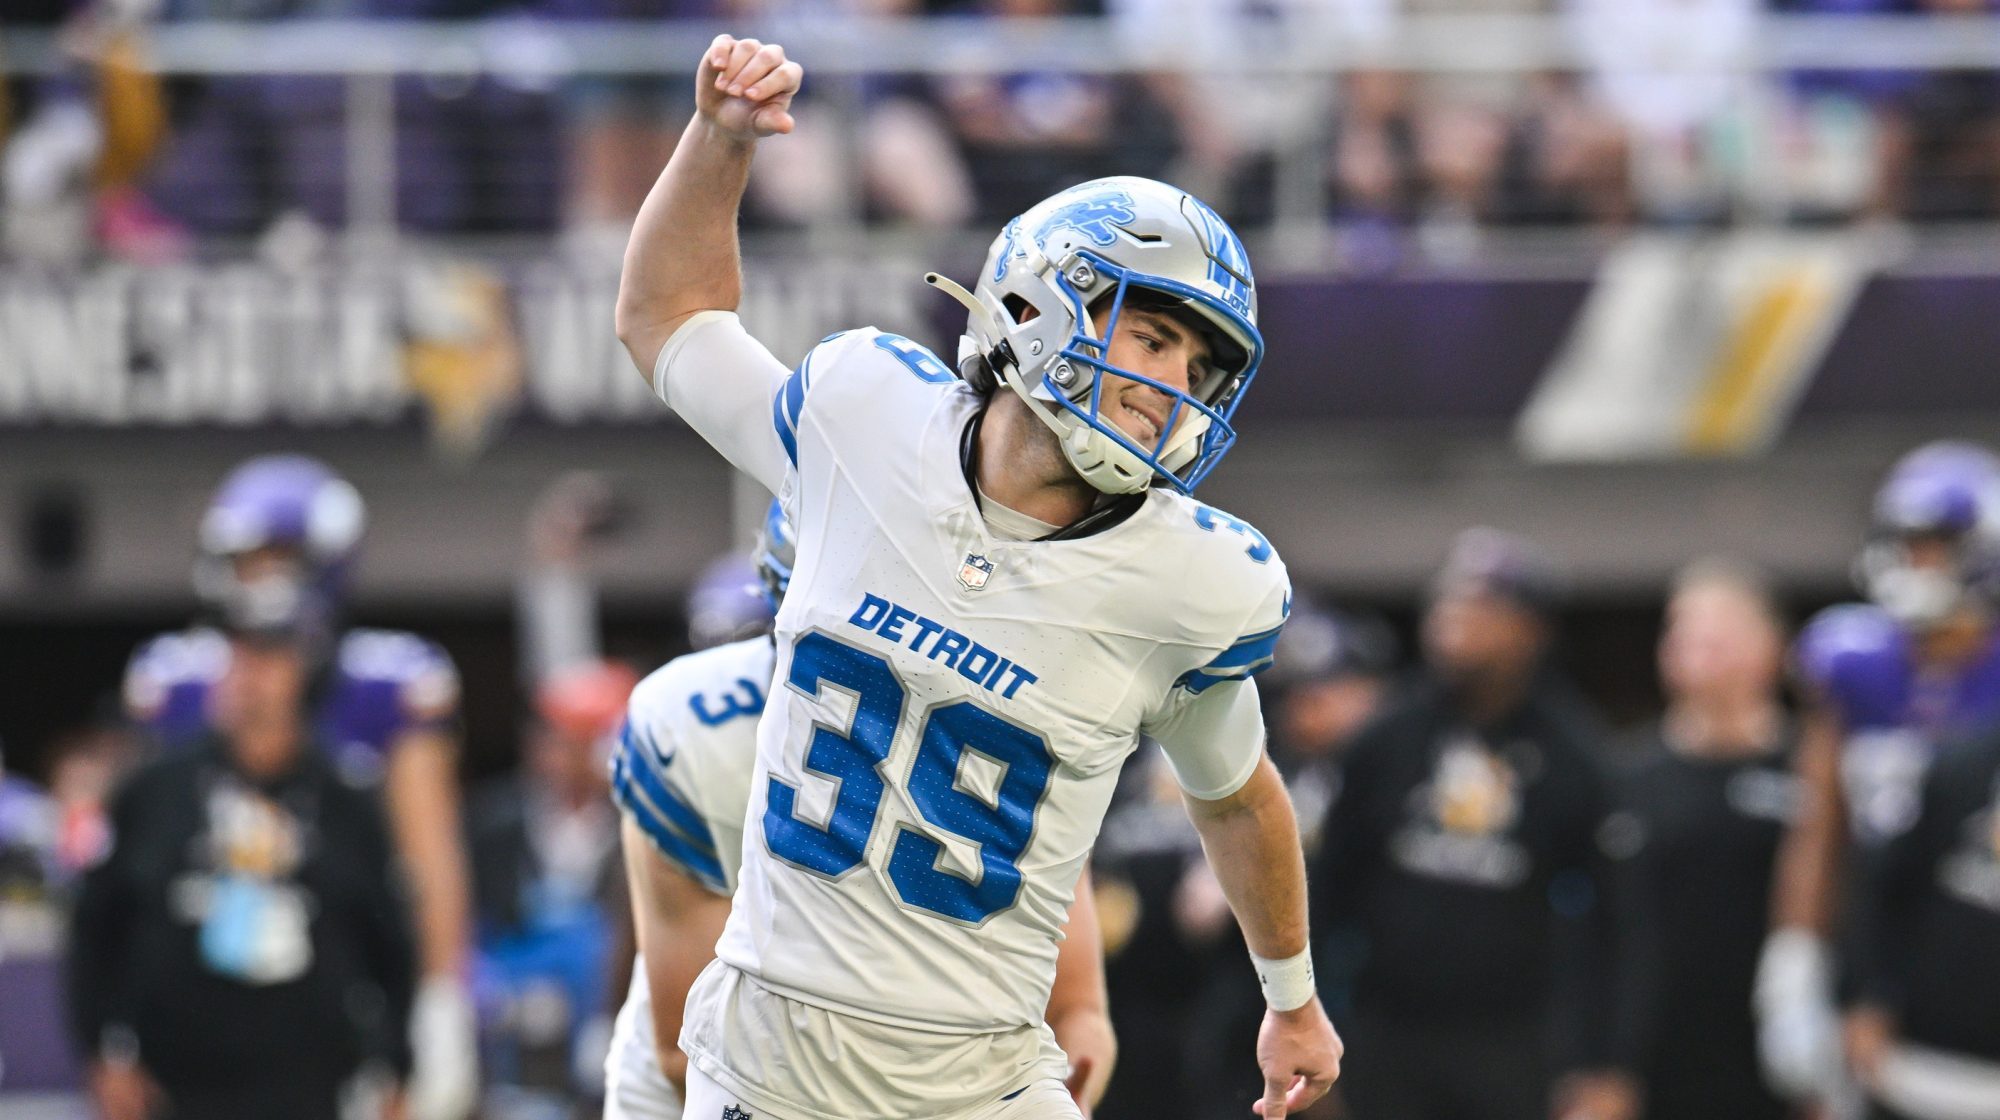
[(950, 710), (681, 771), (682, 766)]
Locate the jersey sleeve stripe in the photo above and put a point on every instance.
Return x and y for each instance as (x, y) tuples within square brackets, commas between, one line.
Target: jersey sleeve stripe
[(784, 426), (638, 759), (703, 865), (786, 406), (1248, 657), (1249, 650)]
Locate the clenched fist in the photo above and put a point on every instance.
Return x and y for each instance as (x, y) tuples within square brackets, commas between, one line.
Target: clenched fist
[(744, 88)]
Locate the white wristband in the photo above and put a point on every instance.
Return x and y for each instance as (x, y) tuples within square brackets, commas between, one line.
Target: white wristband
[(1287, 984)]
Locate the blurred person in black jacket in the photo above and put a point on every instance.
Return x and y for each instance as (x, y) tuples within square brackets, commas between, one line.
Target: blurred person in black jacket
[(1462, 860), (1924, 1036), (244, 947), (1705, 802)]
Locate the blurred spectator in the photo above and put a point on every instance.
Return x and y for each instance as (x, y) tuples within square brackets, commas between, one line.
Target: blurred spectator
[(1666, 70), (1954, 134), (1924, 1039), (554, 934), (69, 177), (900, 156), (1704, 806), (1332, 670), (473, 153), (555, 596), (618, 131), (28, 834), (550, 899), (1231, 115), (1891, 143), (243, 948), (84, 767), (1030, 134), (1463, 855), (1451, 150)]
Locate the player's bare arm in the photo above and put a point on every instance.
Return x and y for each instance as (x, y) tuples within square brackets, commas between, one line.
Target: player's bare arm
[(1803, 890), (1796, 1029), (682, 258), (1252, 842), (421, 791), (678, 921), (1079, 1005)]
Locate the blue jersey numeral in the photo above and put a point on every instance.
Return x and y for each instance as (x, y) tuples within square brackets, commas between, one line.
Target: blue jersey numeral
[(848, 755), (1214, 519), (746, 699), (936, 785), (921, 361)]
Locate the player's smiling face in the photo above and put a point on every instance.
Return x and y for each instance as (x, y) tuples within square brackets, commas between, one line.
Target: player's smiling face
[(1157, 344)]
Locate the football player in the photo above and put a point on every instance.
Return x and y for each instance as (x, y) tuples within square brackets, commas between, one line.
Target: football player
[(681, 776), (1001, 584), (1885, 682), (276, 546)]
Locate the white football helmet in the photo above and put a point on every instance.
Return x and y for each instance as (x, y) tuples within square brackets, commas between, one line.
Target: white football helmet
[(1030, 323)]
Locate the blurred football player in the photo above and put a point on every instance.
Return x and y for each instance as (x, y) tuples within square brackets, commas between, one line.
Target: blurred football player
[(682, 776), (1923, 1037), (1001, 583), (277, 544), (729, 602), (1885, 682), (242, 950)]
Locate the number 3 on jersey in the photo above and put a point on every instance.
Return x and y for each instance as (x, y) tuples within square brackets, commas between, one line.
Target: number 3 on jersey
[(851, 756)]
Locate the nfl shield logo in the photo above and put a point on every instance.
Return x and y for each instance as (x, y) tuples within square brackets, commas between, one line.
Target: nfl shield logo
[(734, 1113), (973, 573)]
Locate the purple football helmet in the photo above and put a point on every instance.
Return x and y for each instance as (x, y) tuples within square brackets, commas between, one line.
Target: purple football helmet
[(1946, 491), (307, 520), (728, 603)]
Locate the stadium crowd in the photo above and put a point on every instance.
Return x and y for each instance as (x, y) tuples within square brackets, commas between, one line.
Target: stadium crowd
[(1518, 913), (1651, 127)]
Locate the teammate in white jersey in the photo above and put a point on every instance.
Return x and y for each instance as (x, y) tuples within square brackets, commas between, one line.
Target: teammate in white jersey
[(681, 777), (1001, 584)]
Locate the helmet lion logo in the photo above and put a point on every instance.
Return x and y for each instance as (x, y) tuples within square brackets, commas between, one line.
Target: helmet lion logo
[(1095, 217)]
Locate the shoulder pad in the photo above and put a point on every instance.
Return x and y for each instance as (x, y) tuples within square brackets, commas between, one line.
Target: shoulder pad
[(862, 370), (656, 777), (419, 670), (1249, 586), (172, 671), (1857, 657)]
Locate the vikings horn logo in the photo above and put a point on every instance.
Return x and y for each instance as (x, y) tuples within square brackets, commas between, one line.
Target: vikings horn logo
[(1095, 217)]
